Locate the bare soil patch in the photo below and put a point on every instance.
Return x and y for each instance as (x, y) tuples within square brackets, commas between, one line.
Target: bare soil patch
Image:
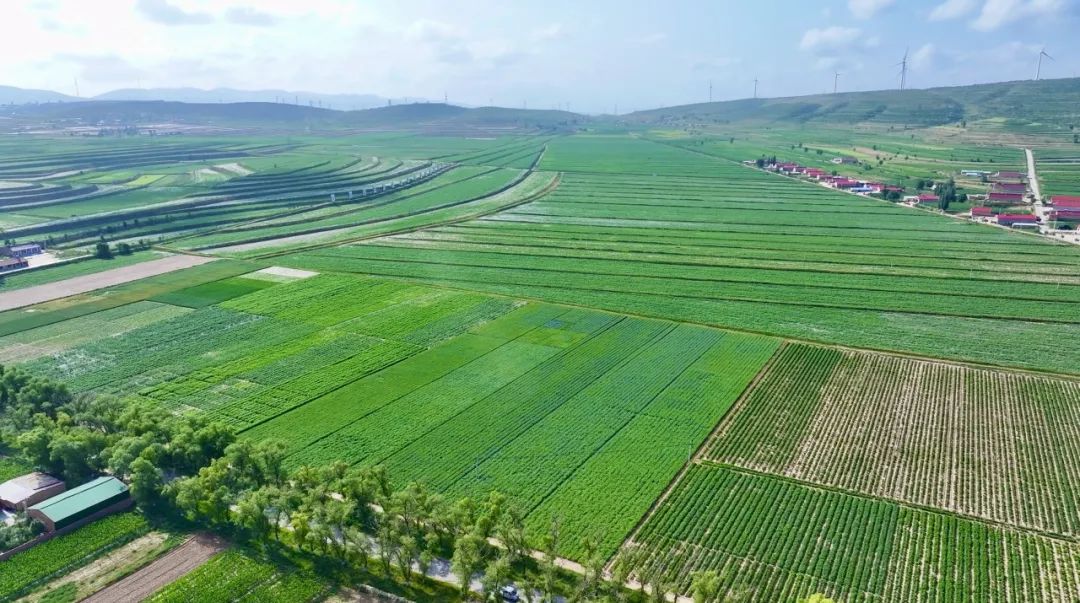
[(89, 282), (173, 566)]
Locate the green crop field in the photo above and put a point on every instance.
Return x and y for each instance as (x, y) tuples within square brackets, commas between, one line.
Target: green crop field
[(777, 540), (54, 557), (237, 576), (683, 362)]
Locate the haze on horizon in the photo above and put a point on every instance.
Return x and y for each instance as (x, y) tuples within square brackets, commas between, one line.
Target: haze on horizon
[(558, 54)]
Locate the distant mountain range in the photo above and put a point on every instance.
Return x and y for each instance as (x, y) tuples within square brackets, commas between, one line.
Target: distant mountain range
[(1047, 106), (20, 96)]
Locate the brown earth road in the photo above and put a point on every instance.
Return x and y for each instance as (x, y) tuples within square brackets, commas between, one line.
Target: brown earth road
[(99, 280), (169, 568)]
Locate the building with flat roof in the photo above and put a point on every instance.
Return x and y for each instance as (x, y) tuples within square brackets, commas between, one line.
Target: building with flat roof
[(26, 250), (104, 494), (9, 264), (24, 491)]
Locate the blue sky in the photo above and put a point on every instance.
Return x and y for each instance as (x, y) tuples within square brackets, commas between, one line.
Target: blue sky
[(588, 56)]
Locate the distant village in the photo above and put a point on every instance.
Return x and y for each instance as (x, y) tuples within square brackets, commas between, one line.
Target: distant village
[(1006, 192)]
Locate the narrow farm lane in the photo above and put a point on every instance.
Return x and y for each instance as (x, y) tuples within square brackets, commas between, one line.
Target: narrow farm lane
[(99, 280), (1033, 180)]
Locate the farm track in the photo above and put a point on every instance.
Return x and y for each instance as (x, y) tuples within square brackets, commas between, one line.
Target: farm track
[(82, 284)]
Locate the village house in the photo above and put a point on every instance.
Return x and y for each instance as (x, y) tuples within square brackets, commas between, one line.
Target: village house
[(24, 491)]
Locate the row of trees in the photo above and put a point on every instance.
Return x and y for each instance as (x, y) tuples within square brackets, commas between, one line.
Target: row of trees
[(183, 466)]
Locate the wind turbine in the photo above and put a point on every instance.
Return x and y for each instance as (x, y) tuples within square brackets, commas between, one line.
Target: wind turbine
[(903, 70), (1038, 68), (755, 87), (835, 80)]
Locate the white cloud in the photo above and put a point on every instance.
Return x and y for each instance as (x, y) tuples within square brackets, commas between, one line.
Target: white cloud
[(161, 11), (996, 13), (550, 32), (924, 57), (829, 39), (865, 9), (952, 9)]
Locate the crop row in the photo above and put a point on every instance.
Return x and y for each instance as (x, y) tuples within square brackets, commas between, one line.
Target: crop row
[(227, 577), (997, 445), (1050, 345), (38, 564), (771, 539)]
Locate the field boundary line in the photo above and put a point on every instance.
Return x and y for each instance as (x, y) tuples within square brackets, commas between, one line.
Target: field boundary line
[(695, 458)]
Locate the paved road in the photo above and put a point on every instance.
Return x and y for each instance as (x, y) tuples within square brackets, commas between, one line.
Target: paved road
[(1033, 180)]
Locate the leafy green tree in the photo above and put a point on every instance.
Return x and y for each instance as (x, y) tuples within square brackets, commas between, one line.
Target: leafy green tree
[(102, 251), (468, 558), (704, 586)]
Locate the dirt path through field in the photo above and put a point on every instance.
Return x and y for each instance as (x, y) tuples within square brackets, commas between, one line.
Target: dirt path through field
[(145, 582), (89, 282)]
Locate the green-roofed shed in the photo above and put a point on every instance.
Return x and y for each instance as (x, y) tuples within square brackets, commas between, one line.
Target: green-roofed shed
[(80, 503)]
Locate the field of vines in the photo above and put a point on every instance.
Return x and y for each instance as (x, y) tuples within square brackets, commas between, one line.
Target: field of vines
[(772, 539), (733, 247), (776, 540), (991, 444)]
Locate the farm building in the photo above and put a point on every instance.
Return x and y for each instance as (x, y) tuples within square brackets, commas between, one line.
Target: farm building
[(981, 211), (844, 160), (1017, 220), (101, 496), (24, 491), (927, 199), (1066, 215), (974, 173), (1069, 201), (9, 264), (1005, 198), (23, 251)]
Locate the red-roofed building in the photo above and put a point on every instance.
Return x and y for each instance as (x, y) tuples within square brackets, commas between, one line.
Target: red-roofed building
[(1014, 219), (1066, 215), (981, 211), (926, 198), (1006, 198), (1065, 201)]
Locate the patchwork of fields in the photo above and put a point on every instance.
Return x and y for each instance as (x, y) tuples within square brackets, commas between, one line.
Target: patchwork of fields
[(695, 364), (752, 251), (573, 413)]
